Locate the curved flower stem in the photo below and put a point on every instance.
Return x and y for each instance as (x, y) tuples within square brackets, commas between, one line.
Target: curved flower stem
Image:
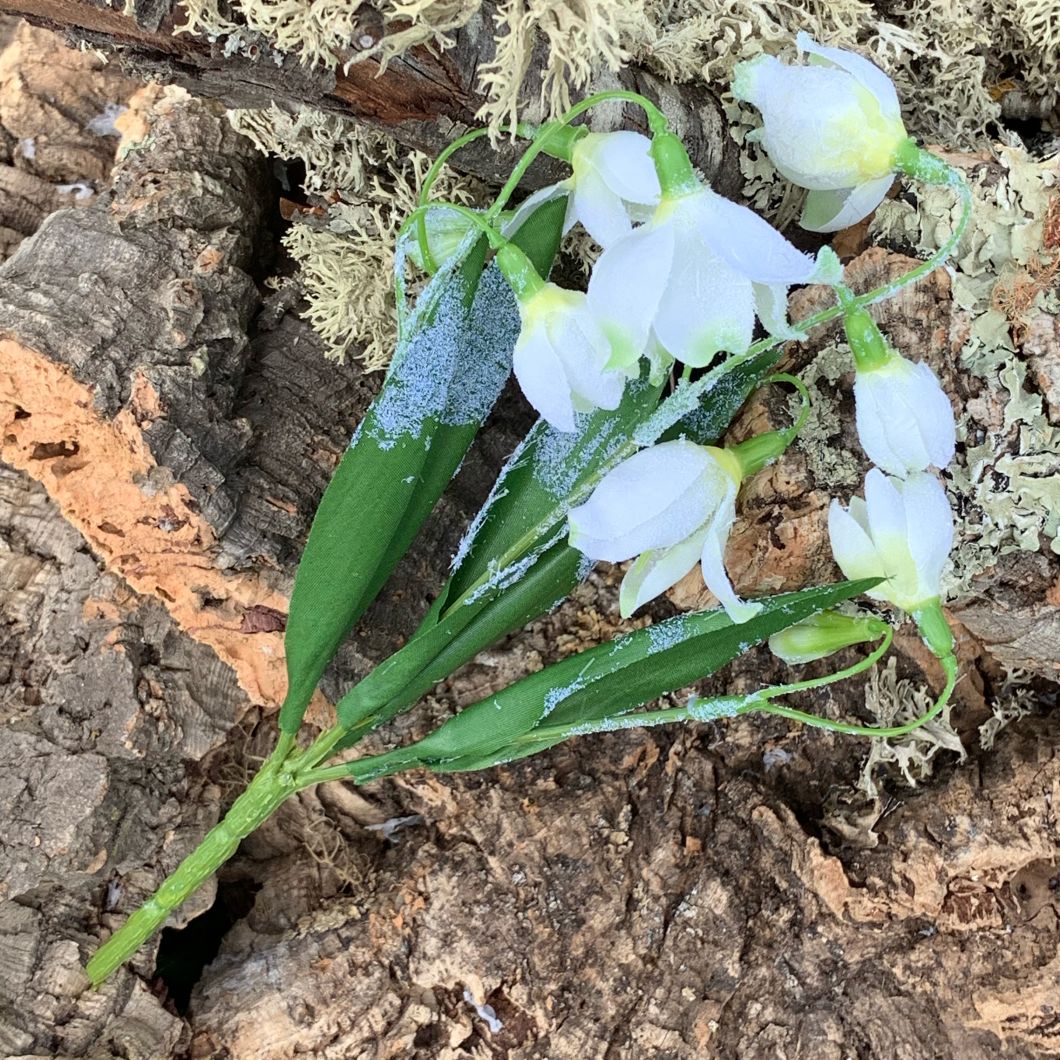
[(949, 664), (959, 184), (656, 122)]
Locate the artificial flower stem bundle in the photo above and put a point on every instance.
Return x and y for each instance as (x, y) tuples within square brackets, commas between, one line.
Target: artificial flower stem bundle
[(685, 275)]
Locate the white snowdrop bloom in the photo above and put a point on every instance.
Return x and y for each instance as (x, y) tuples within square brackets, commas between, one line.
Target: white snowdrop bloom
[(561, 357), (671, 505), (902, 531), (904, 418), (833, 126), (695, 276), (612, 183)]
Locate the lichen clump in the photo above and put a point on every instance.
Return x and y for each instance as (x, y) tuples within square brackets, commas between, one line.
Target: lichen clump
[(958, 65), (346, 250)]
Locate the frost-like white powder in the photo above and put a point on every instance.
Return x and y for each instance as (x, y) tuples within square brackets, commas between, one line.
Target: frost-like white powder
[(665, 635), (452, 369), (486, 361), (714, 709)]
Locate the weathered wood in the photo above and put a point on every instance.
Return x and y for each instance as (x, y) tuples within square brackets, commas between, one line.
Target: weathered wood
[(418, 98)]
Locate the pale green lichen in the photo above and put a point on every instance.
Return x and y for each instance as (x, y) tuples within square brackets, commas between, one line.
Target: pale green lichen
[(891, 700), (1006, 489), (327, 33), (345, 250), (952, 60), (819, 441)]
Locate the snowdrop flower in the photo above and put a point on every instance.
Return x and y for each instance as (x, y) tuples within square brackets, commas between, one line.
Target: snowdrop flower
[(561, 356), (904, 419), (671, 505), (834, 126), (902, 531), (612, 180), (695, 277)]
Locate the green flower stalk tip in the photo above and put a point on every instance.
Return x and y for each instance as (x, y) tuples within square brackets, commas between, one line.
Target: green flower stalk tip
[(822, 635), (677, 176)]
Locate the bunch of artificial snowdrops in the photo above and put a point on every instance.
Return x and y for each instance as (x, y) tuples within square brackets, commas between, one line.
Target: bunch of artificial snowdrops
[(616, 468)]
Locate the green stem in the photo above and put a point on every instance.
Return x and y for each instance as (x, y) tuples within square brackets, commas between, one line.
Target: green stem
[(273, 784), (949, 664), (656, 122)]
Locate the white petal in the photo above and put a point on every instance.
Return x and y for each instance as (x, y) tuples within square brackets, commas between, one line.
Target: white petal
[(706, 307), (532, 202), (623, 160), (867, 73), (929, 526), (886, 513), (904, 419), (626, 285), (712, 559), (542, 379), (655, 499), (749, 243), (887, 429), (830, 211), (583, 351), (801, 107), (935, 416), (851, 545), (655, 571), (771, 305), (599, 210)]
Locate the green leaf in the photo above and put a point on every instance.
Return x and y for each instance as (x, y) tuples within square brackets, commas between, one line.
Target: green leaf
[(439, 650), (525, 494), (611, 680), (441, 385), (720, 404)]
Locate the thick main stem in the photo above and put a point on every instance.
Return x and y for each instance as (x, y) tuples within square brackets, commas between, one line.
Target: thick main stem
[(273, 784)]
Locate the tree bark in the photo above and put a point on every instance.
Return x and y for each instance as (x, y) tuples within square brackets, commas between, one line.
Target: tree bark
[(419, 99)]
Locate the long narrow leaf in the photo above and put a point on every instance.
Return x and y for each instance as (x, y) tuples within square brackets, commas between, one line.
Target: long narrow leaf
[(612, 679), (411, 441)]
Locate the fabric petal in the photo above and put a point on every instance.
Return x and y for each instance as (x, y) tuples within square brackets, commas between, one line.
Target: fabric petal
[(623, 160), (771, 306), (749, 243), (583, 350), (886, 512), (599, 210), (541, 377), (935, 415), (712, 558), (831, 211), (655, 571), (886, 427), (627, 284), (655, 499), (706, 307), (929, 528), (852, 547), (864, 71)]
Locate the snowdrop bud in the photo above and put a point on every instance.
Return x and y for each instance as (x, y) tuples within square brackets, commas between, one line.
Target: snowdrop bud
[(822, 635), (561, 356), (833, 126), (671, 505), (904, 419), (902, 532), (446, 230)]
